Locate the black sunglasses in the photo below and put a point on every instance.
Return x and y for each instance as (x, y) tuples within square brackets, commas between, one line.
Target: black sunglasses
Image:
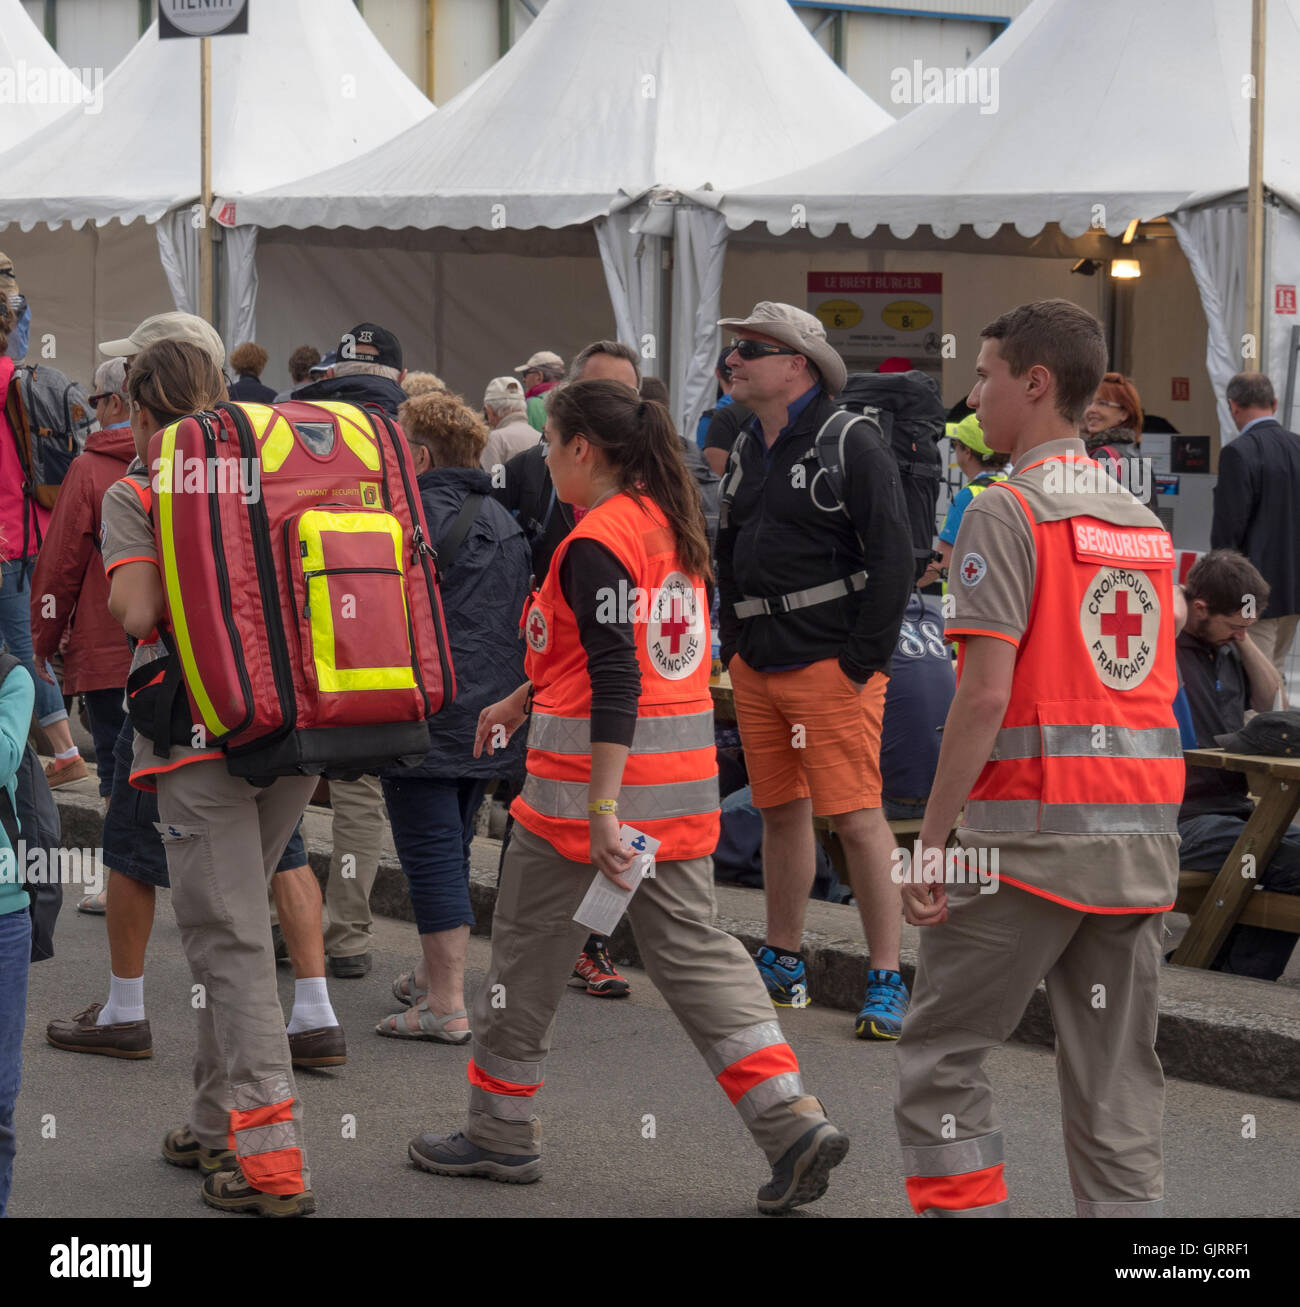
[(96, 400), (757, 349)]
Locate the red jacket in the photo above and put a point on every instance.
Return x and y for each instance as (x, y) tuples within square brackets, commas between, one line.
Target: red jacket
[(69, 587)]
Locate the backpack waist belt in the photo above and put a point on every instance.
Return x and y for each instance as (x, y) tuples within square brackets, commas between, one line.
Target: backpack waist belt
[(819, 594)]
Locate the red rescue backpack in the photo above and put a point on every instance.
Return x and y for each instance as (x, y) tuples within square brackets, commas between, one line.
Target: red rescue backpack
[(303, 614)]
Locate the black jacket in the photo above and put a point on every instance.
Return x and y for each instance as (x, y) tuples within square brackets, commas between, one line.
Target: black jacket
[(249, 390), (360, 388), (785, 534), (1257, 509), (483, 597)]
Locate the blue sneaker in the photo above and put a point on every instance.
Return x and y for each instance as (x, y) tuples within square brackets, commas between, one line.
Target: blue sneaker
[(884, 1007), (786, 986)]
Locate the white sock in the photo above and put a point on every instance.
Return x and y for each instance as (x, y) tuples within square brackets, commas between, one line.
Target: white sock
[(73, 752), (125, 1001), (311, 1006)]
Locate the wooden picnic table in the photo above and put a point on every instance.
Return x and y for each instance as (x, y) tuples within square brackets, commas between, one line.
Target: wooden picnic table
[(1276, 783)]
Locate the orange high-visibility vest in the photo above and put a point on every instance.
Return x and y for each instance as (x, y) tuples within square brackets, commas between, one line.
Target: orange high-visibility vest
[(670, 782), (1089, 744)]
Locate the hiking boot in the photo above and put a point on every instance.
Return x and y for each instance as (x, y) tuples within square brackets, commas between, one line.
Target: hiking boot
[(595, 970), (456, 1155), (800, 1175), (131, 1039), (181, 1148), (884, 1007), (352, 968), (324, 1046), (230, 1192), (64, 773), (786, 986)]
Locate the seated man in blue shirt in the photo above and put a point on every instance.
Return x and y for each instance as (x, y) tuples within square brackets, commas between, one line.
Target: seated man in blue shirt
[(1223, 674)]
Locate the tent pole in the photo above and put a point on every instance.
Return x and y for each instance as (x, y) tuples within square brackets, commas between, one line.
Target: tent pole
[(1254, 325), (430, 15), (205, 149)]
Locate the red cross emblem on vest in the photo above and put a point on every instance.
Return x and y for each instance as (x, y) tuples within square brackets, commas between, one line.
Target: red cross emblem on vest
[(537, 631), (675, 625), (1121, 624)]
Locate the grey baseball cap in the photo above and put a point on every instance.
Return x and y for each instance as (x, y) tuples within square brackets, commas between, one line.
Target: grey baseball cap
[(1274, 733), (801, 331)]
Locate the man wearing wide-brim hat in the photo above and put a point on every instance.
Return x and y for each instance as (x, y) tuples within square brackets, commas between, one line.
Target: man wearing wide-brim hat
[(812, 597)]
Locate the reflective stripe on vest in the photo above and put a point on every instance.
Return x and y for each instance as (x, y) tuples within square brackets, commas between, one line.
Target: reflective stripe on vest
[(653, 734), (568, 799), (756, 1069), (1099, 741), (1072, 818)]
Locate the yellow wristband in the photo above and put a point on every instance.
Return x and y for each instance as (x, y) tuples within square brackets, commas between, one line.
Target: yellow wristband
[(603, 805)]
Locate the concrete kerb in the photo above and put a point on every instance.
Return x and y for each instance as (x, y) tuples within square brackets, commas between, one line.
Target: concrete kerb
[(1214, 1029)]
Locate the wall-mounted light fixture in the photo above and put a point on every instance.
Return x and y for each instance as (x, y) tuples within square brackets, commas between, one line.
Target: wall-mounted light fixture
[(1125, 269)]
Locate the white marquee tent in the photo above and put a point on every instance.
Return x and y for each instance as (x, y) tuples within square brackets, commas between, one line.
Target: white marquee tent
[(309, 87), (36, 87), (1102, 113), (601, 114)]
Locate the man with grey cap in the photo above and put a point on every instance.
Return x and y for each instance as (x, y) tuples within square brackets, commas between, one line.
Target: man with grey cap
[(543, 371), (505, 410), (812, 597)]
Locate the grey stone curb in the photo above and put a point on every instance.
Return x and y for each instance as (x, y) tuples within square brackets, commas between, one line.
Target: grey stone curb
[(1217, 1030)]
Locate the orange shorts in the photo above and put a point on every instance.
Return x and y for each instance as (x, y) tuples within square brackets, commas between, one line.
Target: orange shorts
[(810, 732)]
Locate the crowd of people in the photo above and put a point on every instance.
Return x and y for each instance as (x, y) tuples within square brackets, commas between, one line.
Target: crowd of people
[(566, 486)]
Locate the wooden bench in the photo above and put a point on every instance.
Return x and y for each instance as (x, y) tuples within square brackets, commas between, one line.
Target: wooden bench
[(1263, 907), (905, 831)]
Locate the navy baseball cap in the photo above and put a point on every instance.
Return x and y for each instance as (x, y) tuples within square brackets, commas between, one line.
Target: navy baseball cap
[(369, 343)]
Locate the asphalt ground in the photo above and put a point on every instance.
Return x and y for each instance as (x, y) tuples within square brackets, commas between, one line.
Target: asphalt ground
[(633, 1124)]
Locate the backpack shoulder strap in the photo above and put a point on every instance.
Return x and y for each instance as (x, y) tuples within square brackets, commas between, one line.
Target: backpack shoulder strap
[(448, 547), (830, 449), (732, 474)]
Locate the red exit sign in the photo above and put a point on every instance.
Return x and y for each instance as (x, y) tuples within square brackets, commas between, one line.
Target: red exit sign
[(1182, 388), (1284, 299)]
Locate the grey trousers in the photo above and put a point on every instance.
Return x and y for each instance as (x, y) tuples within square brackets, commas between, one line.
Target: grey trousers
[(977, 973), (705, 975), (223, 838), (360, 819)]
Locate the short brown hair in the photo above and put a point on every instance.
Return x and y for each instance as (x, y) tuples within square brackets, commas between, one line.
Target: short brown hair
[(1061, 337), (614, 348), (1224, 580), (1251, 390), (248, 358), (302, 360), (446, 426), (1117, 389), (173, 379)]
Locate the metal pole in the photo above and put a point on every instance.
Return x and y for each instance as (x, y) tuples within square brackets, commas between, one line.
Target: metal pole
[(1255, 196), (205, 147), (430, 16)]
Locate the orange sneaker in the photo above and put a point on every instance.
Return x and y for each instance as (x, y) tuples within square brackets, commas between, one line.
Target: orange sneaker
[(64, 773)]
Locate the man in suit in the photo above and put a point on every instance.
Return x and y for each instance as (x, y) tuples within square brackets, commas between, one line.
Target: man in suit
[(1257, 509)]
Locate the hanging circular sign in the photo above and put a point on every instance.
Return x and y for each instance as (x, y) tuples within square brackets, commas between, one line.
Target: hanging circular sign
[(202, 17)]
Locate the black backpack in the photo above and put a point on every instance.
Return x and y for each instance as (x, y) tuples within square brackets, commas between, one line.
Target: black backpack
[(35, 824), (911, 418)]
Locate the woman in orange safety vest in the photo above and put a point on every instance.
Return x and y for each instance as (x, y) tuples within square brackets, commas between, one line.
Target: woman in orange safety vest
[(618, 655)]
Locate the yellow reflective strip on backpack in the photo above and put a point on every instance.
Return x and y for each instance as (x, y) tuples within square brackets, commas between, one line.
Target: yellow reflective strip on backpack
[(175, 603), (356, 436), (330, 677), (259, 418), (278, 445)]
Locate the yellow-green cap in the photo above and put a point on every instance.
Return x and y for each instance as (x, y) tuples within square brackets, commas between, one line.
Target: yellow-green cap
[(969, 433)]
